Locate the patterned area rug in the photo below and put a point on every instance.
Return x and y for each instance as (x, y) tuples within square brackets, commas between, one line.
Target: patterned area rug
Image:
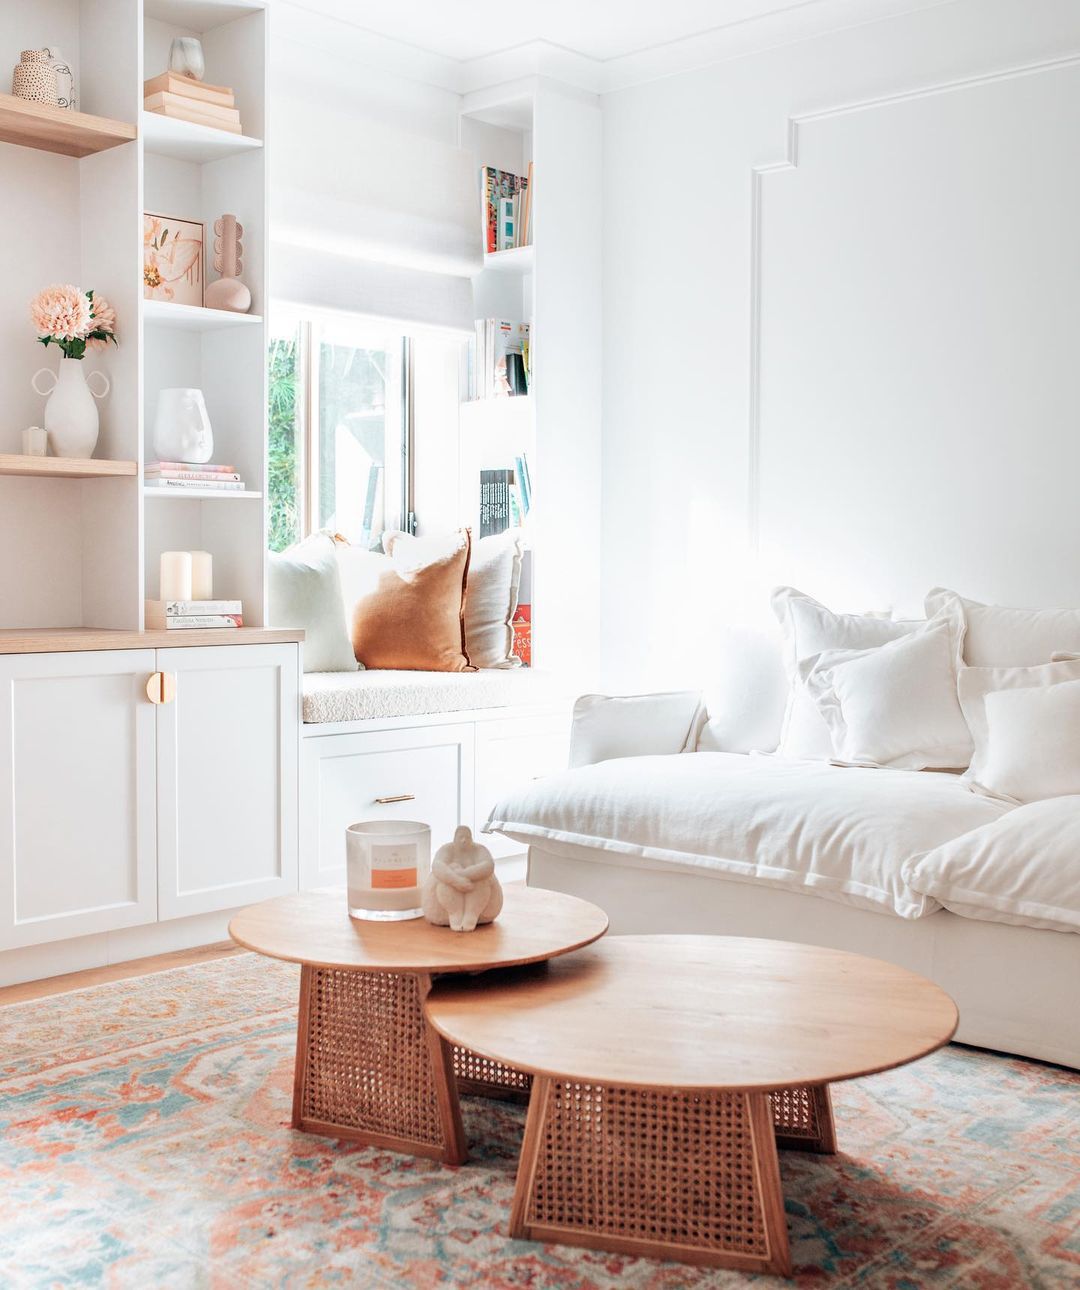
[(145, 1143)]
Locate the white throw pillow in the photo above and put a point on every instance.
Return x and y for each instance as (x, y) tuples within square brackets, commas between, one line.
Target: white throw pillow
[(491, 591), (636, 725), (1000, 637), (1033, 742), (895, 704), (974, 686), (1023, 868), (810, 629), (304, 592)]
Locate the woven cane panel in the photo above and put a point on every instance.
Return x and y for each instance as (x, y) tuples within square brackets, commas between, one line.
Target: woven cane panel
[(475, 1069), (654, 1165), (795, 1112), (368, 1061)]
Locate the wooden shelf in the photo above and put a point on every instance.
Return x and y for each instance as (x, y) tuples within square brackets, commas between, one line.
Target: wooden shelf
[(193, 317), (60, 640), (53, 129), (65, 467), (518, 260), (201, 494), (187, 141)]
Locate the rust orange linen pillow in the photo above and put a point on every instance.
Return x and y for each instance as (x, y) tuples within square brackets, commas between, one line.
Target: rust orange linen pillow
[(408, 614)]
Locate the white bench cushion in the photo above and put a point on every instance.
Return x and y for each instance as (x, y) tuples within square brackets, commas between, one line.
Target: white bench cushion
[(378, 694)]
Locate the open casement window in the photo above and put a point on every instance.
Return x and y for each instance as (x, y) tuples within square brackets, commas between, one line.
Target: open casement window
[(340, 429)]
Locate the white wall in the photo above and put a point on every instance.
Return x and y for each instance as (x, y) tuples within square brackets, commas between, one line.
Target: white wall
[(912, 323)]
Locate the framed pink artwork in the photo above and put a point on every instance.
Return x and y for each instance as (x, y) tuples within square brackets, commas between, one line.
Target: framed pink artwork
[(173, 259)]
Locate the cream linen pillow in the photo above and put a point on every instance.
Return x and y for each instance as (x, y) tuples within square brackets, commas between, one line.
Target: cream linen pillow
[(810, 629), (304, 591), (1032, 742), (895, 705), (1022, 868), (491, 597), (974, 686), (1000, 637)]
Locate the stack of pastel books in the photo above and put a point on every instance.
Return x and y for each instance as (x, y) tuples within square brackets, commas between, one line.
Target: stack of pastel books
[(201, 478), (171, 94), (193, 615)]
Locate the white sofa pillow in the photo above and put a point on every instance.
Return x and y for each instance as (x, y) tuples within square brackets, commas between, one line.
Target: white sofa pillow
[(491, 590), (1001, 637), (810, 629), (635, 725), (895, 704), (1023, 868), (1033, 742), (975, 684), (304, 591)]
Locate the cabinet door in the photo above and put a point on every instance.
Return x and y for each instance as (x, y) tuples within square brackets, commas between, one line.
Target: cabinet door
[(227, 777), (509, 753), (77, 828), (424, 775)]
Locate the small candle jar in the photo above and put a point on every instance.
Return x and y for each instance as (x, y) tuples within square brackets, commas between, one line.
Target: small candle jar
[(387, 863)]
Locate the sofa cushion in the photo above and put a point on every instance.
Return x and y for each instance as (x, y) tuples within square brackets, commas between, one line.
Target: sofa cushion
[(374, 694), (845, 833), (1023, 868)]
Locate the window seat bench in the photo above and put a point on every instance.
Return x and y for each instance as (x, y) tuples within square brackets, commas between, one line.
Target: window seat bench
[(376, 695)]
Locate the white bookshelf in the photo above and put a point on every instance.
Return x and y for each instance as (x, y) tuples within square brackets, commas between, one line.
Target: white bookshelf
[(83, 538)]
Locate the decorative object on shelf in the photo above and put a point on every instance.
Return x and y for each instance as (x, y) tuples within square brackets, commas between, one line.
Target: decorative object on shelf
[(174, 578), (65, 78), (228, 292), (186, 100), (182, 431), (34, 78), (186, 57), (71, 417), (202, 576), (387, 863), (462, 889), (173, 259), (35, 441)]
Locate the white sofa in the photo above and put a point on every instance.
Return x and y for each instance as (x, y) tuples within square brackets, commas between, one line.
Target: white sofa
[(738, 844)]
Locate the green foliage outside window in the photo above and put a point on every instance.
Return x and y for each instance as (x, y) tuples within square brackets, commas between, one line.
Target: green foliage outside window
[(284, 472)]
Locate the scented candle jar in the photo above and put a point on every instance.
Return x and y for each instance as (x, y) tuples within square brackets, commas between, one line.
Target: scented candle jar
[(387, 862)]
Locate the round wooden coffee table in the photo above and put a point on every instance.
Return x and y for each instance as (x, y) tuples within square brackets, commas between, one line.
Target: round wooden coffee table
[(668, 1069), (368, 1067)]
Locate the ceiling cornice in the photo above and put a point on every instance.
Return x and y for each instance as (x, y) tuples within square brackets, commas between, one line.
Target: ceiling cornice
[(299, 20)]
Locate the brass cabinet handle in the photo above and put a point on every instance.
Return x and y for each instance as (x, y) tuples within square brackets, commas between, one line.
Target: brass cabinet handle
[(401, 797), (161, 688)]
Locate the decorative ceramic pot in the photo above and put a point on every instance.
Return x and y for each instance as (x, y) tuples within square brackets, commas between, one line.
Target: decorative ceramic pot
[(186, 57), (71, 417), (65, 77), (33, 78), (182, 430)]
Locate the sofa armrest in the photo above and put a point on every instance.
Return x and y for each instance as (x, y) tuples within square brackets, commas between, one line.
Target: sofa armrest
[(635, 725)]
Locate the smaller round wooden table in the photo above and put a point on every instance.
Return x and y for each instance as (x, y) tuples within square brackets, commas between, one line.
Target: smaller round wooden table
[(667, 1069), (368, 1067)]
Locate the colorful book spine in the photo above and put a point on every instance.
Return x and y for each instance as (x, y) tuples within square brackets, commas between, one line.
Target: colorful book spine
[(219, 475), (189, 465)]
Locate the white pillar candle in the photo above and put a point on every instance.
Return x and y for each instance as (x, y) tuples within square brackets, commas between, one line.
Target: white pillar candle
[(202, 575), (176, 575)]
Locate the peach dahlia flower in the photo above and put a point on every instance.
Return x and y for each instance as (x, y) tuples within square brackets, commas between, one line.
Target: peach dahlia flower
[(62, 311)]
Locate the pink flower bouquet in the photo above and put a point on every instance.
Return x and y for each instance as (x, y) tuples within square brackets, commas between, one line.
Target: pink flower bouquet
[(74, 319)]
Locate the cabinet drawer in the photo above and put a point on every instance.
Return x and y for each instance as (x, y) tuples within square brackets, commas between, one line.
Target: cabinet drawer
[(348, 778)]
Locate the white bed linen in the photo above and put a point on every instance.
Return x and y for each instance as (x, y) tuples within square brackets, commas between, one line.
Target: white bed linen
[(844, 832)]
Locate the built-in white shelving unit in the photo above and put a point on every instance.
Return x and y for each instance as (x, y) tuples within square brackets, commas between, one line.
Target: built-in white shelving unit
[(83, 538)]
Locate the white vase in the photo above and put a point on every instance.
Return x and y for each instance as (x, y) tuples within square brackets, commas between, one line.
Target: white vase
[(65, 78), (71, 417), (182, 430)]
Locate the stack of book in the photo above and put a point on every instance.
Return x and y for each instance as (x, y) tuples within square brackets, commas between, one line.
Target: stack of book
[(193, 615), (171, 94), (507, 208), (203, 477), (505, 498), (499, 359)]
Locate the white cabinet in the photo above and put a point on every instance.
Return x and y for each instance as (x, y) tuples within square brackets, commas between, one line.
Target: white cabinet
[(227, 777), (423, 774), (116, 811), (509, 753), (77, 787)]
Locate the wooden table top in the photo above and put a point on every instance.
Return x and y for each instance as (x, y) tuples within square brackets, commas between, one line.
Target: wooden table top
[(314, 927), (718, 1012)]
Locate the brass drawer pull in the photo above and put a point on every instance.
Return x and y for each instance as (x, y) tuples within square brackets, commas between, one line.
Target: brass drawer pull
[(401, 797), (161, 687)]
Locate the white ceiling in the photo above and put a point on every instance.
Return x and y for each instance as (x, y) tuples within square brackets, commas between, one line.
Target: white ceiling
[(595, 44)]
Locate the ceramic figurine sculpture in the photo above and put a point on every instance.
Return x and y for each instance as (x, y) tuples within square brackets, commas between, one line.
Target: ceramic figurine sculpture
[(461, 889), (228, 292)]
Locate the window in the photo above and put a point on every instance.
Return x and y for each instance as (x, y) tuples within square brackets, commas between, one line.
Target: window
[(340, 429)]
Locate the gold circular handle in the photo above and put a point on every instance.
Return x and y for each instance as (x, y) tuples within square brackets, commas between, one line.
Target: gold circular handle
[(161, 687)]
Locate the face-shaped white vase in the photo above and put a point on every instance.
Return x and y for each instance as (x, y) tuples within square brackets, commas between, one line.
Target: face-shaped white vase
[(182, 428)]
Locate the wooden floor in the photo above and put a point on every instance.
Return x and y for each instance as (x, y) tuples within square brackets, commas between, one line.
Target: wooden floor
[(115, 972)]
